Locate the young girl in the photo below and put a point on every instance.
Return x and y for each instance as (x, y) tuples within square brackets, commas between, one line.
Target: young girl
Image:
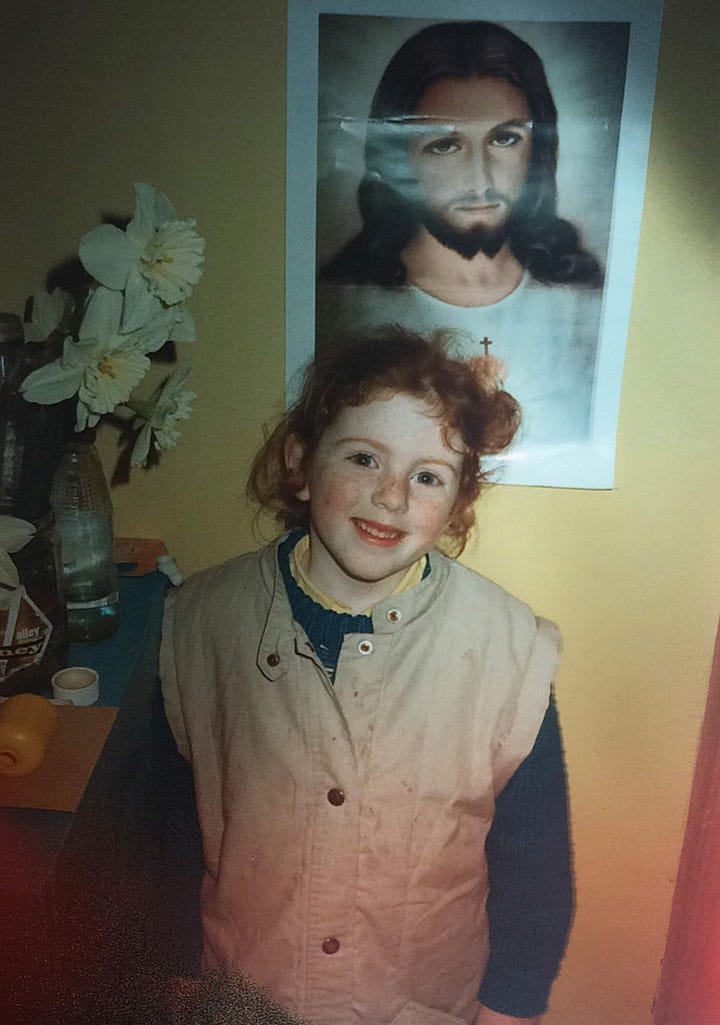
[(376, 755)]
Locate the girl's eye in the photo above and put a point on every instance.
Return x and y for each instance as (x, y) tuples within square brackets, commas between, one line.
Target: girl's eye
[(443, 146), (426, 477), (362, 459)]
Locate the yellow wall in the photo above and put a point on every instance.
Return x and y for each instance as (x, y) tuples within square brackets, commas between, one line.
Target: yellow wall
[(190, 96)]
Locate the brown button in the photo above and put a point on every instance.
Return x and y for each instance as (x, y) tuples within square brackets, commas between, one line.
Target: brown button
[(394, 615), (330, 945), (273, 659), (336, 797), (365, 647)]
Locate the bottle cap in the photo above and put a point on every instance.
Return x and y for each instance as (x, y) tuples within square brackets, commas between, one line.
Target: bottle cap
[(76, 684)]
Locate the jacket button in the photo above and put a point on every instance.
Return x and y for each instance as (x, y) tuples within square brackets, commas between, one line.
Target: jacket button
[(336, 797), (365, 647), (394, 615), (330, 945), (273, 659)]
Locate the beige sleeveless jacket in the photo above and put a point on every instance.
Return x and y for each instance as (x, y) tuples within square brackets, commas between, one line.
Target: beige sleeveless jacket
[(344, 826)]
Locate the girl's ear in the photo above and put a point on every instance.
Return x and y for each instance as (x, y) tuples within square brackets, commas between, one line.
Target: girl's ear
[(294, 457)]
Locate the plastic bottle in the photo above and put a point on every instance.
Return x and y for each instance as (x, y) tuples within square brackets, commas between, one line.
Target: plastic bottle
[(27, 723), (83, 514), (33, 626)]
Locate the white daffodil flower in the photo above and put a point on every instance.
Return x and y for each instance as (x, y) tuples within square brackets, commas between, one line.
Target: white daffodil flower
[(49, 310), (107, 381), (103, 365), (14, 535), (157, 259), (136, 303), (171, 404)]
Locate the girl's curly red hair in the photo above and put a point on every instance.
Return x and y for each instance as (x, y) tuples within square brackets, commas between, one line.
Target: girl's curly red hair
[(467, 397)]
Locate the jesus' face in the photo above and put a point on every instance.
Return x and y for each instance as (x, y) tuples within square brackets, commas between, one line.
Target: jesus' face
[(470, 159)]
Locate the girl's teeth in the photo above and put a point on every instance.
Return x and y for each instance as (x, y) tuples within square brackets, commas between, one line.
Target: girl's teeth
[(384, 534)]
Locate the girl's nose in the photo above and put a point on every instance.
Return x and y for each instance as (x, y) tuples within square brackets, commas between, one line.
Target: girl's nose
[(391, 493)]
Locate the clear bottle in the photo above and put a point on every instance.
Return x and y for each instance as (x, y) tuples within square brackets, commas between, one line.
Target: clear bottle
[(83, 514)]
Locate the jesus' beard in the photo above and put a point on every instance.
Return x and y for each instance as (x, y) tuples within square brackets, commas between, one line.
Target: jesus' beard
[(466, 242)]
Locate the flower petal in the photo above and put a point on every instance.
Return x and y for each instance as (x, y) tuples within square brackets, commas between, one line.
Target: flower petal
[(52, 383), (182, 328), (152, 208), (14, 533), (48, 312), (173, 384), (140, 305), (153, 335), (32, 334), (84, 417), (8, 575), (106, 253), (102, 316)]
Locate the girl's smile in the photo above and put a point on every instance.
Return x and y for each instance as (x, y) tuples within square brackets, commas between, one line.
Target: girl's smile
[(382, 487), (378, 534)]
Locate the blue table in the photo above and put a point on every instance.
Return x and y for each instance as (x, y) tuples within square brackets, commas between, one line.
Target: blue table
[(131, 655)]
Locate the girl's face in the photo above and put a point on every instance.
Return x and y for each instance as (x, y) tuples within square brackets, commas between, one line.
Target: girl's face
[(382, 488)]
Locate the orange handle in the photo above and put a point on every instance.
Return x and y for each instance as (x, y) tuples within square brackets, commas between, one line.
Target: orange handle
[(27, 722)]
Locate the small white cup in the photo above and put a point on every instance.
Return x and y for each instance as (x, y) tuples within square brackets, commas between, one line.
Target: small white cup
[(76, 684)]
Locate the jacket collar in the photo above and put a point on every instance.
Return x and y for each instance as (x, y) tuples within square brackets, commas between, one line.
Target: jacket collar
[(282, 638)]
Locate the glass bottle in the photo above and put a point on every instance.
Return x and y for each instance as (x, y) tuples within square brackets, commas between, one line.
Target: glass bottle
[(83, 514), (11, 435), (45, 432)]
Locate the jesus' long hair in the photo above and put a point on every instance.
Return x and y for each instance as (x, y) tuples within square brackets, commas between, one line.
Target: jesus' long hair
[(546, 244)]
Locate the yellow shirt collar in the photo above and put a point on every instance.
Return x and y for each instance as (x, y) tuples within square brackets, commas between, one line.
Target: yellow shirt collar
[(299, 560)]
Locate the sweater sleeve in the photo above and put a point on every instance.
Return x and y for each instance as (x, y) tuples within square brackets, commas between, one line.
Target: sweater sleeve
[(530, 900)]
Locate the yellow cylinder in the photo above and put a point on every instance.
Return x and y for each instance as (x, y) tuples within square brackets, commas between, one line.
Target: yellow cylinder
[(27, 722)]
